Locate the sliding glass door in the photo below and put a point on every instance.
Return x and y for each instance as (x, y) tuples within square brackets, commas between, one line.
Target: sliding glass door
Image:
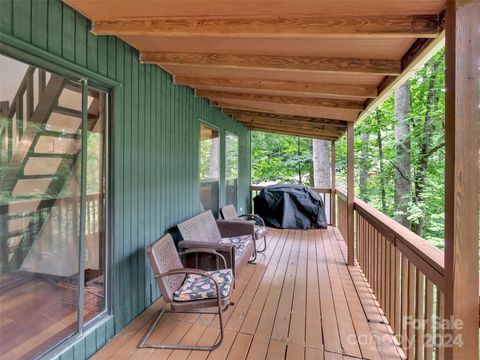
[(52, 207)]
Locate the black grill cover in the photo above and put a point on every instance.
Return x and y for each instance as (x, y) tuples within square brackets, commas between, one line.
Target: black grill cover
[(288, 206)]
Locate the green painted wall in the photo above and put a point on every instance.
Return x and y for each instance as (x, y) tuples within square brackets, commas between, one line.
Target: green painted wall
[(155, 139)]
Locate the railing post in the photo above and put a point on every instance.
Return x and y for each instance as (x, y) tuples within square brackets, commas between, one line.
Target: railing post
[(333, 210), (350, 193), (461, 179)]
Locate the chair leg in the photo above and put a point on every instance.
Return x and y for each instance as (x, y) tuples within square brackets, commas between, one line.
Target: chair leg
[(264, 245), (252, 261), (143, 343)]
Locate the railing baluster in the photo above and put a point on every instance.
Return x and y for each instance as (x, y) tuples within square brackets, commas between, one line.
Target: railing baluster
[(381, 257), (398, 292), (429, 334), (404, 303), (440, 333), (370, 255), (419, 315), (377, 264), (411, 310), (386, 289), (392, 287)]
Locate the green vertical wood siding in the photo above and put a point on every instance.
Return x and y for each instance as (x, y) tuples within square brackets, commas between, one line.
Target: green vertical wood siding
[(155, 147)]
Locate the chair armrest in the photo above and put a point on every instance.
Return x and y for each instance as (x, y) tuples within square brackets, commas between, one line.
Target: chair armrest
[(205, 251), (254, 217), (182, 271), (230, 228), (188, 244)]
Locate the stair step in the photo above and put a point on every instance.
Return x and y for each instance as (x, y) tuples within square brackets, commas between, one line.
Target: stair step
[(67, 111), (37, 177), (53, 155), (59, 134)]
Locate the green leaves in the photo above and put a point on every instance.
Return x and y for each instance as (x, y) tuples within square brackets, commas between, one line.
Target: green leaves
[(281, 158), (278, 158)]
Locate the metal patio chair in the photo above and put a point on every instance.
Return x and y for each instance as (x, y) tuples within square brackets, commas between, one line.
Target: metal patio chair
[(229, 212), (187, 290), (232, 239)]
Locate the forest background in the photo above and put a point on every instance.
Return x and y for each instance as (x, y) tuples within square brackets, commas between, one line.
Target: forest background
[(399, 155)]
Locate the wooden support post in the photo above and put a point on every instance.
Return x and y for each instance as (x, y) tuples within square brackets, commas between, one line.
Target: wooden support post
[(350, 193), (333, 209), (462, 177)]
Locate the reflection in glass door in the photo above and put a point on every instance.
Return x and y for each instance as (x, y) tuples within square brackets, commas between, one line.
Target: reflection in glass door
[(231, 168), (209, 168), (41, 207)]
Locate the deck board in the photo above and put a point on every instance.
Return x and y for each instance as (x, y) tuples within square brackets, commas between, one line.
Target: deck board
[(300, 301)]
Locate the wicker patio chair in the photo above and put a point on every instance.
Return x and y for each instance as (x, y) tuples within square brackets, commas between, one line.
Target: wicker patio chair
[(229, 212), (187, 290)]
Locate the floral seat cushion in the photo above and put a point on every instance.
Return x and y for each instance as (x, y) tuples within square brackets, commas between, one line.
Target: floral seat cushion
[(240, 243), (196, 287)]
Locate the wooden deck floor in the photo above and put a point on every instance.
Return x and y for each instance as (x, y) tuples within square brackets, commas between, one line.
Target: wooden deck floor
[(300, 301)]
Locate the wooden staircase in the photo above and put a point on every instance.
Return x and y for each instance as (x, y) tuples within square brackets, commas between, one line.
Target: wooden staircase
[(38, 155)]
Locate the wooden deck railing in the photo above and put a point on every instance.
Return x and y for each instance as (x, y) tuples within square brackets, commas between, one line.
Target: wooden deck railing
[(406, 275), (63, 214), (341, 212)]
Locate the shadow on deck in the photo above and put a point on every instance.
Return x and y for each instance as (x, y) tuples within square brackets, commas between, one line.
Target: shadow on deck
[(300, 301)]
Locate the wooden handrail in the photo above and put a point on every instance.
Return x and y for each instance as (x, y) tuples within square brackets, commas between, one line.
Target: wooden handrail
[(342, 193), (424, 255)]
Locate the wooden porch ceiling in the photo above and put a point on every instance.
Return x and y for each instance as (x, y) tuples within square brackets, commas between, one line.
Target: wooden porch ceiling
[(314, 59)]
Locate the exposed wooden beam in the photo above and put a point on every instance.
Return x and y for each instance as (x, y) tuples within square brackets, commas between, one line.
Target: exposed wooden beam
[(289, 100), (289, 110), (301, 124), (293, 127), (263, 115), (461, 179), (315, 132), (363, 91), (297, 63), (423, 26), (309, 134)]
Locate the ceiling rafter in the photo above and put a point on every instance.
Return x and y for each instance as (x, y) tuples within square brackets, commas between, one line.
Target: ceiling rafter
[(286, 63), (235, 112), (303, 88), (294, 132), (359, 27), (290, 110), (288, 100), (286, 124)]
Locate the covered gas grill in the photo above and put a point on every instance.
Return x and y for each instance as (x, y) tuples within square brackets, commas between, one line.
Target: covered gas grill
[(288, 206)]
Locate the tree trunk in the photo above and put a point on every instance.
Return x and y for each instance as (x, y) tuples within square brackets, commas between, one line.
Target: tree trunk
[(380, 160), (300, 167), (402, 154), (425, 148), (321, 163), (214, 161), (363, 181)]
